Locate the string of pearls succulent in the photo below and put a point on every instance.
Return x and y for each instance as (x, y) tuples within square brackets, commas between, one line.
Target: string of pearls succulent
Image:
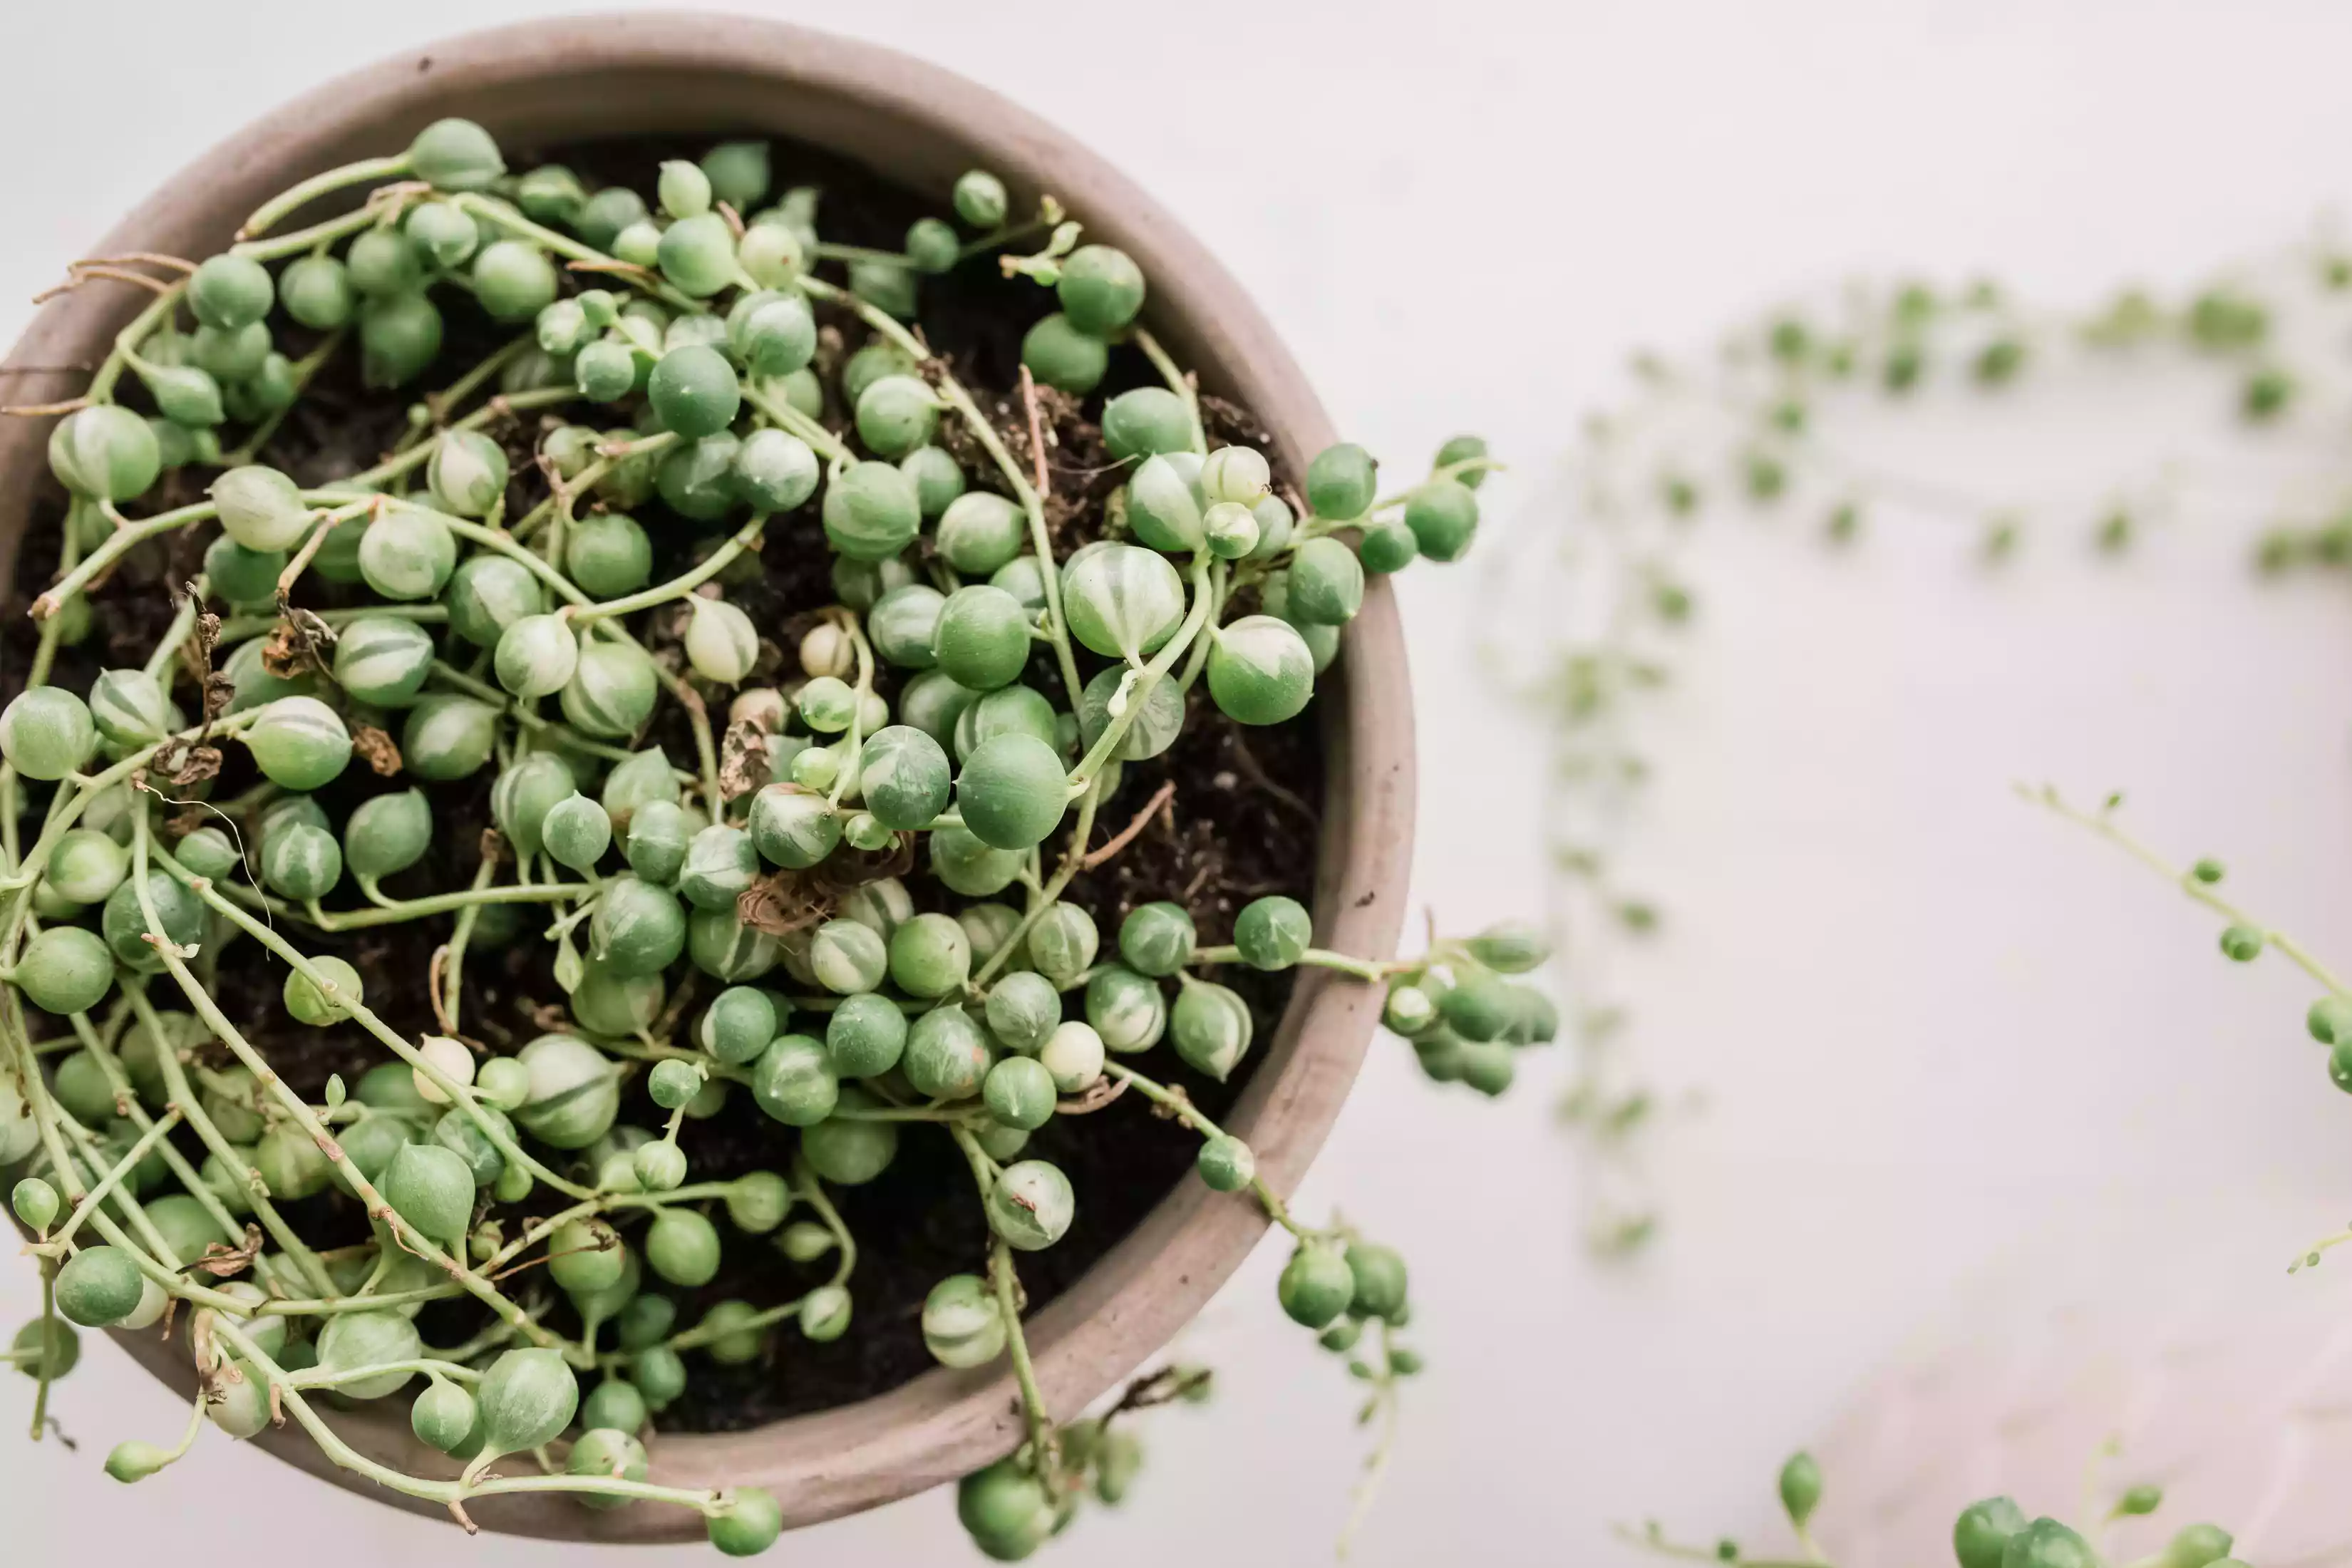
[(1784, 420), (1991, 1533), (673, 349)]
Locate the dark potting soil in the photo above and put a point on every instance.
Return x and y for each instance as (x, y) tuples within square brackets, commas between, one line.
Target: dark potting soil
[(1243, 822)]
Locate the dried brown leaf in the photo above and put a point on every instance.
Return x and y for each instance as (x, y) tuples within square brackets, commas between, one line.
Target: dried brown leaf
[(377, 749)]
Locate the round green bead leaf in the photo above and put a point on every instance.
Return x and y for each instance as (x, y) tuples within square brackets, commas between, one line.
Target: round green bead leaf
[(466, 473), (399, 334), (407, 554), (697, 254), (1212, 1028), (1158, 718), (773, 471), (981, 639), (1165, 507), (1013, 792), (526, 1399), (1315, 1284), (382, 659), (307, 1002), (432, 1189), (514, 279), (682, 1247), (871, 511), (1058, 354), (896, 414), (454, 154), (447, 737), (63, 970), (299, 743), (612, 691), (105, 452), (795, 1081), (1023, 1009), (1123, 601), (904, 776), (1126, 1009), (1342, 482), (229, 291), (792, 826), (574, 1092), (46, 733), (694, 391), (1272, 932), (638, 928), (1031, 1205), (1101, 289), (1155, 938), (948, 1055), (846, 957), (721, 862), (1327, 583), (1260, 670)]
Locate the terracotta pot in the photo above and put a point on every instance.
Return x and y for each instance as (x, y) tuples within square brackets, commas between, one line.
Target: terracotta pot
[(545, 82)]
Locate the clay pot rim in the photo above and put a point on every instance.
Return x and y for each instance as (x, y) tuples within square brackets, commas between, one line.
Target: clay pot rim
[(686, 72)]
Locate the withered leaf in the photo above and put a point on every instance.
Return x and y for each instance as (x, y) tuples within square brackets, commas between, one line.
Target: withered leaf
[(376, 747)]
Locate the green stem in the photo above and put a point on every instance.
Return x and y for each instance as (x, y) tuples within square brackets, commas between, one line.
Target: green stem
[(460, 1095), (449, 1494), (748, 537), (1375, 1463), (1178, 383), (107, 1183), (453, 969), (333, 1376), (561, 733), (438, 404), (138, 531), (176, 1087), (603, 1203), (1017, 1346), (1369, 969), (2104, 825), (410, 1238), (564, 245), (805, 1182), (416, 456), (49, 1367), (440, 904), (1139, 690), (1181, 1107), (266, 216), (854, 755), (127, 341), (74, 802), (381, 206), (1074, 859), (785, 418), (826, 250), (562, 493), (1007, 1287)]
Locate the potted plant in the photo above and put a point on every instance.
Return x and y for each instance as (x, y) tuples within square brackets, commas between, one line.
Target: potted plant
[(631, 768)]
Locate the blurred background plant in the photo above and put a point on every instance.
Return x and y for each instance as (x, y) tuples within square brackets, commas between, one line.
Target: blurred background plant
[(1830, 416)]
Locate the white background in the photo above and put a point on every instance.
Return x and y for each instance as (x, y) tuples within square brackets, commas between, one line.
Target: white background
[(1937, 1033)]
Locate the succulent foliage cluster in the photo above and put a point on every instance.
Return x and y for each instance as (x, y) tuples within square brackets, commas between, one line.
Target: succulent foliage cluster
[(845, 905)]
